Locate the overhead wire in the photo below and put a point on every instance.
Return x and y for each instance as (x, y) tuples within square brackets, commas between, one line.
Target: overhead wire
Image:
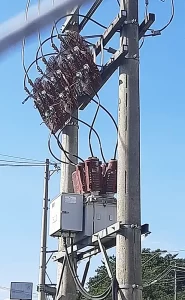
[(24, 39), (22, 158), (171, 18)]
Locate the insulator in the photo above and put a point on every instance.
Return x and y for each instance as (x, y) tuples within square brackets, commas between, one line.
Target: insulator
[(78, 178), (93, 174), (110, 177), (73, 67)]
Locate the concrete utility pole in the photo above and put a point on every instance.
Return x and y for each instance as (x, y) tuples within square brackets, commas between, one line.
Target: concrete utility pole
[(67, 289), (128, 244), (42, 268)]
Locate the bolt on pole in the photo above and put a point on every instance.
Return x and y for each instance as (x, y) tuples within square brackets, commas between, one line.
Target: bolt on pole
[(42, 267), (128, 243)]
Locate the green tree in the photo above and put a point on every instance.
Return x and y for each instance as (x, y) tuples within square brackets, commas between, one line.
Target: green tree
[(158, 269)]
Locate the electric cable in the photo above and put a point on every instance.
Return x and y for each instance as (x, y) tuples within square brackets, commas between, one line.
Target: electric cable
[(78, 283), (142, 43), (159, 277), (24, 39), (22, 158), (168, 23), (112, 118), (51, 152), (18, 162), (171, 18), (98, 137), (62, 148), (91, 126)]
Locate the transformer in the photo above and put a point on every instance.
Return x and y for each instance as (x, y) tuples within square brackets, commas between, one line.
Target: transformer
[(99, 213)]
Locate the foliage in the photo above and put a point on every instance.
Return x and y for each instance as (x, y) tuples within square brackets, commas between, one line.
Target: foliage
[(156, 265)]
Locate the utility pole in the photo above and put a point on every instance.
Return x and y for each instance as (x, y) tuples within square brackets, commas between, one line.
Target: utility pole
[(42, 267), (67, 290), (128, 242), (175, 282)]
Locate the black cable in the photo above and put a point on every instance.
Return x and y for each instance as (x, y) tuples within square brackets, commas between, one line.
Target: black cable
[(78, 283), (51, 152), (110, 115), (62, 148), (172, 16), (22, 158), (19, 162), (98, 137), (142, 43), (92, 124), (170, 20)]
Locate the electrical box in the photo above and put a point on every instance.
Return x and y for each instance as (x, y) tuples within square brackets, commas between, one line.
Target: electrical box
[(98, 215), (66, 214)]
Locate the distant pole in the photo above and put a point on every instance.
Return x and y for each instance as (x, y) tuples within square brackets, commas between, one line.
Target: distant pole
[(175, 282), (42, 267), (128, 243)]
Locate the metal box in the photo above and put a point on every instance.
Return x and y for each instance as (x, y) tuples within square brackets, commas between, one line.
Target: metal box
[(97, 216), (66, 214)]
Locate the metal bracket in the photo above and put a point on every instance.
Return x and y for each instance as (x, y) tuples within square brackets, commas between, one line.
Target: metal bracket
[(47, 288), (107, 237), (130, 286), (105, 257), (110, 31), (108, 69), (145, 25), (89, 14)]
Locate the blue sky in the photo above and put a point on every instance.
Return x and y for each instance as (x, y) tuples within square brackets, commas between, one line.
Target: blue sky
[(162, 143)]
